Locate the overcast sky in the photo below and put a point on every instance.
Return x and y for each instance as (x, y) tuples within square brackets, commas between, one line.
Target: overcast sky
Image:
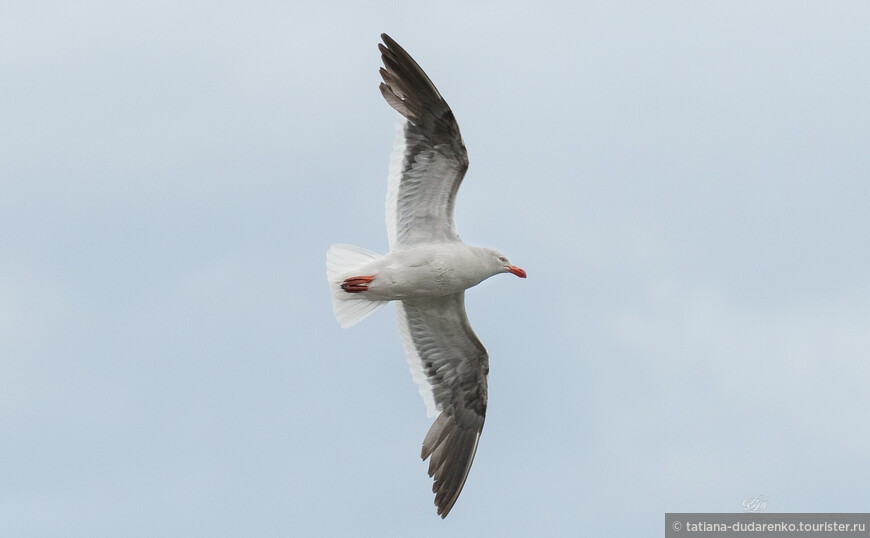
[(686, 183)]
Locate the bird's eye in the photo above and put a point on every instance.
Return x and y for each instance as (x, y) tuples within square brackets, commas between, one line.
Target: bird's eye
[(502, 259)]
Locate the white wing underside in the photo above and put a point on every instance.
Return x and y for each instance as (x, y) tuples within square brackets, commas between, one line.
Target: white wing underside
[(421, 188), (394, 180), (395, 206), (397, 160), (415, 363)]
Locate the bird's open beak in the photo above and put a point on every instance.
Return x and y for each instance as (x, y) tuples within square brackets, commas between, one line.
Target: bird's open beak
[(517, 271)]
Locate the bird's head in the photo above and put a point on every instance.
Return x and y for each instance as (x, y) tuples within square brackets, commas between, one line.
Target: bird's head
[(504, 265)]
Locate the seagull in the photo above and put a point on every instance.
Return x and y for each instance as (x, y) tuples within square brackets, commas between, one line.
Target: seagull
[(426, 272)]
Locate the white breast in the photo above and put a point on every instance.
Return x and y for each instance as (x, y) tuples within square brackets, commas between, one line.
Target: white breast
[(426, 271)]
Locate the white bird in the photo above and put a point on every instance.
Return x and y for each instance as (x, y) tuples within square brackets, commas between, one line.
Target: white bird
[(426, 272)]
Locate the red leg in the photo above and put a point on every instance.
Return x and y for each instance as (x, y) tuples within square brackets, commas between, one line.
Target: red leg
[(357, 284)]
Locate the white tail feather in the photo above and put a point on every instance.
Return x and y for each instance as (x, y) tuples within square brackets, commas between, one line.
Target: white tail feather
[(341, 261)]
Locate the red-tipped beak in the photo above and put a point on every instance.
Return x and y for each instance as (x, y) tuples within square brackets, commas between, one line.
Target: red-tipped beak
[(517, 271)]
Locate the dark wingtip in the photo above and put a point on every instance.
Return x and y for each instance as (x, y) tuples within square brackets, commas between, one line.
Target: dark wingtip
[(450, 449)]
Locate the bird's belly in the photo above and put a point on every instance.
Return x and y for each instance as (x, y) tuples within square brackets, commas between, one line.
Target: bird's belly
[(416, 282)]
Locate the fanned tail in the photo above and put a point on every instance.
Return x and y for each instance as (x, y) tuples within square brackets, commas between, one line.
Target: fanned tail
[(341, 261)]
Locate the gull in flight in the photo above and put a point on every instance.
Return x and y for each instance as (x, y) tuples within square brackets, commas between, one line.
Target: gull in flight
[(426, 272)]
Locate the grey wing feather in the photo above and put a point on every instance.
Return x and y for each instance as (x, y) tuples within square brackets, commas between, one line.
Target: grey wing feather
[(456, 366), (434, 157)]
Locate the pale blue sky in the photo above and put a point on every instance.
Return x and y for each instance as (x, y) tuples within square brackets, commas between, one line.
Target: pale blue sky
[(686, 184)]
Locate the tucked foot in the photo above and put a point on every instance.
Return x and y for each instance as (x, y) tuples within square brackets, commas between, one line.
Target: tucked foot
[(357, 284)]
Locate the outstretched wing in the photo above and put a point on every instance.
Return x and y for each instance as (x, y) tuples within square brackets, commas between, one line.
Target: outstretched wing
[(450, 366), (429, 157)]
